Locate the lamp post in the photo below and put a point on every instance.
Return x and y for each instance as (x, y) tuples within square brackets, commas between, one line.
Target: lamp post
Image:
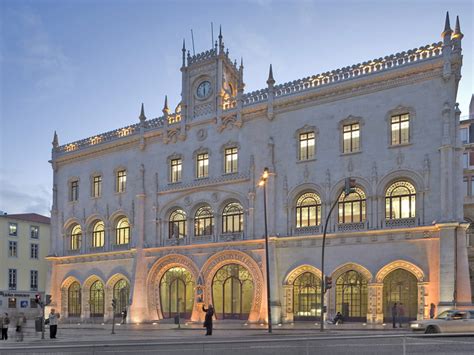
[(263, 183), (349, 187)]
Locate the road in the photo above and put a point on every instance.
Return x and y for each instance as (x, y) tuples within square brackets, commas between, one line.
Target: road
[(261, 344)]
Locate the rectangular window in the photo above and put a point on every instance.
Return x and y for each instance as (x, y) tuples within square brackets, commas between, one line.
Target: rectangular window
[(97, 186), (466, 186), (202, 165), (34, 280), (121, 180), (34, 251), (175, 170), (74, 190), (231, 159), (307, 145), (12, 302), (34, 232), (464, 135), (12, 279), (351, 134), (12, 249), (33, 303), (400, 128), (12, 229), (465, 160)]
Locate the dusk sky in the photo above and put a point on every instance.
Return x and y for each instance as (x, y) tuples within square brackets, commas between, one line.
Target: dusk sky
[(84, 67)]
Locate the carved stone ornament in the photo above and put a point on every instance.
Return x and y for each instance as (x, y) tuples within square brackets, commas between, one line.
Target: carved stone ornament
[(201, 134), (230, 122), (188, 200)]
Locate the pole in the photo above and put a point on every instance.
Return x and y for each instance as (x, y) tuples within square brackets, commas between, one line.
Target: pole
[(269, 311), (323, 291), (42, 321), (114, 306), (179, 322)]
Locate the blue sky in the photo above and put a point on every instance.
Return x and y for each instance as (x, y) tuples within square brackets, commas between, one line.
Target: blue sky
[(83, 67)]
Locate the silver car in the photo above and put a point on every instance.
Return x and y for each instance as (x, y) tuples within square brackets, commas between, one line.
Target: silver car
[(452, 321)]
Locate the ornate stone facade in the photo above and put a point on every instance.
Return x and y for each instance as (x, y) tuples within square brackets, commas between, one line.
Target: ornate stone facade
[(220, 139)]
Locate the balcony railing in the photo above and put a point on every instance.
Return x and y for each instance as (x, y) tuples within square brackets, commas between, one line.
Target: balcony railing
[(348, 227), (400, 222), (230, 237), (307, 230)]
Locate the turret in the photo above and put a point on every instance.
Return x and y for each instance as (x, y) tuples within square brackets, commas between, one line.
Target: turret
[(446, 34)]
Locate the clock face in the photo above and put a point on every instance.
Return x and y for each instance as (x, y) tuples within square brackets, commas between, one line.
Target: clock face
[(204, 89)]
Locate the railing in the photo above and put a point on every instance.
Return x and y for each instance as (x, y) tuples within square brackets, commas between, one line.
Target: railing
[(201, 56), (400, 222), (255, 97), (229, 237), (307, 230), (347, 227)]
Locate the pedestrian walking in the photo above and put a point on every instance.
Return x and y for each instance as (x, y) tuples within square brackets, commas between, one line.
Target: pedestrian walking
[(394, 315), (401, 314), (124, 315), (432, 310), (5, 323), (53, 323), (208, 319), (20, 322)]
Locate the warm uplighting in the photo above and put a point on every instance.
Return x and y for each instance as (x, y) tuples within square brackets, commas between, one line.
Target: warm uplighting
[(70, 147), (261, 183), (154, 323), (124, 132), (265, 173), (95, 140)]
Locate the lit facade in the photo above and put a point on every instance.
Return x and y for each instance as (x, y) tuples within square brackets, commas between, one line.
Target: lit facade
[(25, 243), (166, 214)]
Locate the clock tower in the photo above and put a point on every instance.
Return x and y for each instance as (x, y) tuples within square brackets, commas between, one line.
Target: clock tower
[(210, 82)]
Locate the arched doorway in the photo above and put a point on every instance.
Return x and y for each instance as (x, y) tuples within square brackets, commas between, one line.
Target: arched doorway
[(232, 292), (307, 297), (121, 295), (97, 300), (351, 296), (177, 293), (400, 286), (74, 300)]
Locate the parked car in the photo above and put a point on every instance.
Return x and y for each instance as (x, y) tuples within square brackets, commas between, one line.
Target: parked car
[(451, 321)]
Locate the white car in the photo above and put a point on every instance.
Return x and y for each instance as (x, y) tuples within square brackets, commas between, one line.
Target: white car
[(452, 321)]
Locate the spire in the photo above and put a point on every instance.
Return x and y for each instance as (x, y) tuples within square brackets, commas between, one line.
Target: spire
[(166, 110), (221, 44), (55, 140), (242, 62), (270, 80), (184, 52), (142, 116), (447, 27), (457, 30)]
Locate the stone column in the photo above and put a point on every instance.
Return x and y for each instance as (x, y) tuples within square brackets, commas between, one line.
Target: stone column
[(463, 281), (375, 304), (275, 301), (288, 315), (422, 309), (446, 265)]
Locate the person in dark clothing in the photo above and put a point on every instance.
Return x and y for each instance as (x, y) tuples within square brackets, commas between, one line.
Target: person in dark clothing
[(394, 314), (432, 310), (124, 316), (5, 322), (208, 319), (338, 319)]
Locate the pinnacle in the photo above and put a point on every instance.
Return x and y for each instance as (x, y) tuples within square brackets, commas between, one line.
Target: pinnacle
[(457, 29), (270, 80), (447, 25), (142, 116)]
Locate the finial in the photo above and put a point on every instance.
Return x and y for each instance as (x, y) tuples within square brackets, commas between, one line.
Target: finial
[(55, 140), (241, 62), (184, 45), (221, 44), (270, 80), (142, 116), (220, 31), (447, 26), (457, 30), (166, 110), (184, 52)]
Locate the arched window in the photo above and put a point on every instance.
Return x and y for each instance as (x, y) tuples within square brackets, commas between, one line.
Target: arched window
[(232, 292), (97, 299), (351, 296), (177, 293), (233, 218), (122, 232), (307, 297), (400, 200), (203, 221), (74, 300), (121, 296), (177, 224), (352, 207), (76, 237), (308, 210), (98, 235), (400, 286)]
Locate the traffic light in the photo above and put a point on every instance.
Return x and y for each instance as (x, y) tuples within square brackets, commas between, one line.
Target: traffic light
[(114, 303), (349, 186), (47, 300), (327, 282), (37, 299)]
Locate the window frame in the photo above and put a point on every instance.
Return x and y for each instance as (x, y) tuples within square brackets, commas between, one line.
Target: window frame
[(122, 234), (343, 203), (182, 224), (202, 165), (231, 166), (300, 208), (10, 233), (204, 221), (12, 279), (74, 190), (96, 188), (310, 151), (175, 170), (411, 197), (352, 139), (229, 218), (121, 180), (34, 280), (75, 239), (34, 247), (13, 249)]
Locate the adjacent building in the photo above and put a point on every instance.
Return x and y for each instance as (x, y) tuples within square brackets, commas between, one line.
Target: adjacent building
[(166, 214), (25, 242)]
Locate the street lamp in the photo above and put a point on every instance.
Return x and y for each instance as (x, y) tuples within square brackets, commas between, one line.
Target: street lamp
[(263, 183), (349, 187)]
